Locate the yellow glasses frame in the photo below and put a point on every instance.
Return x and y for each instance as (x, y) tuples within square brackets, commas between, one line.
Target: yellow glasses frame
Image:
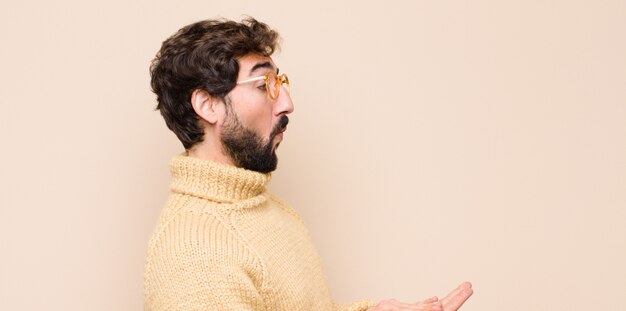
[(273, 83)]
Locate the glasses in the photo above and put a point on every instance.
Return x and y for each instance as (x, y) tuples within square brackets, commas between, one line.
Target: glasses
[(272, 83)]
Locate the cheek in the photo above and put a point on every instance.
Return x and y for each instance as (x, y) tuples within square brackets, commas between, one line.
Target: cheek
[(262, 121), (257, 116)]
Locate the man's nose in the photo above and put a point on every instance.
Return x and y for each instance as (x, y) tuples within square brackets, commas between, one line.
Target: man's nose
[(283, 102)]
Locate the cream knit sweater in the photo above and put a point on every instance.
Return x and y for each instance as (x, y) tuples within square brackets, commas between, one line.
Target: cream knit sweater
[(224, 243)]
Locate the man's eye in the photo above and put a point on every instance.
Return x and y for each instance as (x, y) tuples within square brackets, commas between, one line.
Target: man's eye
[(261, 87)]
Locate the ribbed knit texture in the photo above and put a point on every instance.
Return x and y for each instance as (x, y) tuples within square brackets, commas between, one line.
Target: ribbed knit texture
[(224, 243)]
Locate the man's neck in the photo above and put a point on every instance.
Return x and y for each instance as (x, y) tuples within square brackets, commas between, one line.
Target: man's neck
[(212, 153)]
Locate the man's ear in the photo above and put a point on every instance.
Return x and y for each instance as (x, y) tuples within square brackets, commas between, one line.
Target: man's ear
[(205, 105)]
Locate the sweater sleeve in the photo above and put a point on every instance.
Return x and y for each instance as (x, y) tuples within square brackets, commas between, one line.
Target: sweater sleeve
[(203, 268), (355, 306), (234, 290)]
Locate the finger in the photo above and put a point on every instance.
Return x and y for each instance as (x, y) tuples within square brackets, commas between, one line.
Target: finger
[(397, 305), (456, 301), (424, 305), (455, 292), (433, 306), (429, 300), (437, 306)]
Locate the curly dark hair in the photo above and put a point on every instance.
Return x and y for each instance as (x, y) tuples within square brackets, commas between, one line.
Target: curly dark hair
[(204, 56)]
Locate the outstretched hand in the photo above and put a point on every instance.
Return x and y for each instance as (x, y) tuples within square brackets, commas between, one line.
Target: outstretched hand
[(452, 302), (430, 304)]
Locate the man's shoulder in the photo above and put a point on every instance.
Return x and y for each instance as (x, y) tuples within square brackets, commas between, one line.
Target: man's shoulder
[(194, 248), (185, 210), (272, 196), (189, 224), (284, 206)]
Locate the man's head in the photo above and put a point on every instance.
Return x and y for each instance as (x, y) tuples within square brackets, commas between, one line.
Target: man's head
[(210, 79)]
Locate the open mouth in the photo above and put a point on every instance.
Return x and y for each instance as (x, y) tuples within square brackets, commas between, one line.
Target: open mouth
[(281, 127), (280, 133)]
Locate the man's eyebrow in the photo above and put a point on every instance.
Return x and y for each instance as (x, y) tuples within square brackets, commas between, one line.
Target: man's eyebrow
[(263, 65)]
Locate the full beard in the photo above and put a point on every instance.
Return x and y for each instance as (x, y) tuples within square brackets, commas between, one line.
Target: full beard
[(248, 149)]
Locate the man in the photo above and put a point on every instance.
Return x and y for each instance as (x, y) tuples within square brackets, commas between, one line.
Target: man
[(223, 242)]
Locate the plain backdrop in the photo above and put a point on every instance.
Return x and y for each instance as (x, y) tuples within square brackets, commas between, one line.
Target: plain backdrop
[(432, 142)]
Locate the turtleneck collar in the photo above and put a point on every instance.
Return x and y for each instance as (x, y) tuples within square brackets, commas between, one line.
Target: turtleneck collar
[(215, 181)]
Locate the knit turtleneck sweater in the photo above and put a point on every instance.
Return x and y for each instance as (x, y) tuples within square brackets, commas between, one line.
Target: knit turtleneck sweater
[(223, 242)]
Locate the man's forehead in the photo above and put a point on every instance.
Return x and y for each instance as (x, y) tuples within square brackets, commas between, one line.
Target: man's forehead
[(253, 64)]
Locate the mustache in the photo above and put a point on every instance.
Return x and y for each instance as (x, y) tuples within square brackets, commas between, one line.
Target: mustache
[(280, 126)]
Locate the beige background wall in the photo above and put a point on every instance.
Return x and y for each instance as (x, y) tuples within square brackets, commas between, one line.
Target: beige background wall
[(433, 142)]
